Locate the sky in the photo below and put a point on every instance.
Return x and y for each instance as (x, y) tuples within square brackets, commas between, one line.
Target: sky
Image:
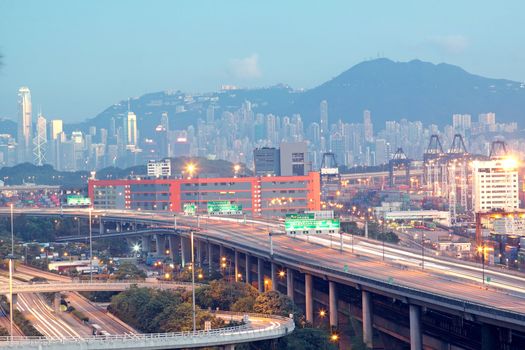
[(79, 57)]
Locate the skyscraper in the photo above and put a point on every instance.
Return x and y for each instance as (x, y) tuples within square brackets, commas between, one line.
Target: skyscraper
[(40, 141), (132, 129), (24, 137), (55, 128), (324, 118), (369, 127)]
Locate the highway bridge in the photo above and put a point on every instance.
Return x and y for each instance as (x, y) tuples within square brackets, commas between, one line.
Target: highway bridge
[(258, 327), (436, 303)]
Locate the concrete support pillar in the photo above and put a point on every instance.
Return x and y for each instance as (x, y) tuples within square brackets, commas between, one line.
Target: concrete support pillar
[(289, 283), (185, 246), (368, 330), (146, 244), (236, 267), (118, 226), (247, 278), (221, 252), (229, 347), (333, 299), (274, 276), (210, 258), (416, 338), (309, 300), (260, 277), (101, 226), (173, 242), (198, 255), (160, 244)]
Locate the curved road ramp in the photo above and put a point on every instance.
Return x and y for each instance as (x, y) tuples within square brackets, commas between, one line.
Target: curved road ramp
[(258, 327)]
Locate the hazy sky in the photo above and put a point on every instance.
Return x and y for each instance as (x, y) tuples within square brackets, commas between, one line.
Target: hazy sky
[(78, 57)]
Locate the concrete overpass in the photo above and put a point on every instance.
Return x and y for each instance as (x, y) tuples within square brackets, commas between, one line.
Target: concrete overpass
[(86, 286), (438, 304), (259, 327)]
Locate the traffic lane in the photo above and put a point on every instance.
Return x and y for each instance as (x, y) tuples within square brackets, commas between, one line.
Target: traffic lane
[(98, 315), (45, 320), (421, 280)]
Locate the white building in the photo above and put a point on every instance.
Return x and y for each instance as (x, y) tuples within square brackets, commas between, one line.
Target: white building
[(160, 168), (25, 125), (495, 185)]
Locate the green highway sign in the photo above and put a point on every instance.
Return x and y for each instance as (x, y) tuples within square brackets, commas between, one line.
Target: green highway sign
[(78, 200), (224, 208), (301, 224)]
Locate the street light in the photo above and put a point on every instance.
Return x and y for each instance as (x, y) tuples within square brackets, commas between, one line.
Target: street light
[(236, 169), (482, 250), (90, 247), (193, 282), (12, 232)]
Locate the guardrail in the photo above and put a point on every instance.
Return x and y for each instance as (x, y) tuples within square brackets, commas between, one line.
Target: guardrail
[(219, 336)]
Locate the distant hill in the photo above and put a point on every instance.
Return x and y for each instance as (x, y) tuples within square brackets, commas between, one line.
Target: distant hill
[(414, 90)]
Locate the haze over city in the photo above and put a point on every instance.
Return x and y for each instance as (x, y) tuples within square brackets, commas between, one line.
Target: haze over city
[(262, 175)]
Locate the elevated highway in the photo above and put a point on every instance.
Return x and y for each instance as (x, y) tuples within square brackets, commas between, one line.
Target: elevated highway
[(437, 286)]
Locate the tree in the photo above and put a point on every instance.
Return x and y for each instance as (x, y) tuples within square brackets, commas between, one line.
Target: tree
[(274, 303), (179, 319), (222, 294), (306, 339), (128, 271)]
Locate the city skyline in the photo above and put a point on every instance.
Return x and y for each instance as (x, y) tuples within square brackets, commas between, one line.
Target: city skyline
[(112, 69)]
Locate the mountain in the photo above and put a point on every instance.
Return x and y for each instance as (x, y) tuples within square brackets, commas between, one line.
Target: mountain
[(414, 90)]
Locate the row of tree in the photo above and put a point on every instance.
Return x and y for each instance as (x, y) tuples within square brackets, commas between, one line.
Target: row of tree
[(151, 310)]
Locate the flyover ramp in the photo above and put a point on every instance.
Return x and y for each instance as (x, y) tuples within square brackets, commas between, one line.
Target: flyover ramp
[(259, 327)]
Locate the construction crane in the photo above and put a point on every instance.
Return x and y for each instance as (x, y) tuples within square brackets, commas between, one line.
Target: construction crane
[(399, 161)]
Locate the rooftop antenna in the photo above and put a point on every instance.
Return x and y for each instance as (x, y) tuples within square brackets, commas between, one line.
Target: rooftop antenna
[(129, 105)]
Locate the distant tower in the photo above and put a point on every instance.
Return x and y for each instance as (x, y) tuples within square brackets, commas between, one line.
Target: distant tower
[(25, 132), (40, 141), (164, 121), (210, 114), (132, 129), (369, 127), (324, 118)]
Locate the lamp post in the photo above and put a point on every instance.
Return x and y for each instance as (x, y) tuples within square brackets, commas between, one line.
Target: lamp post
[(482, 251), (193, 282), (90, 247), (11, 256), (422, 250)]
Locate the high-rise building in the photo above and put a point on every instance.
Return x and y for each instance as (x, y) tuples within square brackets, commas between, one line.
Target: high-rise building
[(25, 126), (324, 119), (368, 126), (40, 141), (495, 184), (337, 147), (267, 161), (461, 122), (55, 128), (131, 129), (294, 159), (164, 121)]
